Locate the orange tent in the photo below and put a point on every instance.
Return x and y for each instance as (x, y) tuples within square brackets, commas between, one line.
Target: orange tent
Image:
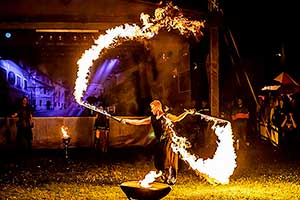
[(285, 84), (288, 84), (285, 79)]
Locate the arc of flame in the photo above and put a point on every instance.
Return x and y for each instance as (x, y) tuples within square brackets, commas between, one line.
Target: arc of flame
[(168, 17), (218, 169)]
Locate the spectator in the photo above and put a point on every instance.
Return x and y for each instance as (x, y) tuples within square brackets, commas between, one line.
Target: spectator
[(204, 125), (101, 127), (24, 124), (288, 127), (240, 117)]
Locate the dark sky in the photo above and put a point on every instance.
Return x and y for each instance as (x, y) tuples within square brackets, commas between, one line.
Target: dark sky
[(262, 28)]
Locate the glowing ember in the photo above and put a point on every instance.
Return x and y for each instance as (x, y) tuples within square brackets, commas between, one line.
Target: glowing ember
[(168, 18), (150, 178), (64, 130)]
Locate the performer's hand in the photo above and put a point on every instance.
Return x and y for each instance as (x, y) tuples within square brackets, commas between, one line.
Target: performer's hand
[(123, 121), (190, 111)]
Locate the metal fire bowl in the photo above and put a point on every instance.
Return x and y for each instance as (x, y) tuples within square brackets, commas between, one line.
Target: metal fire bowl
[(66, 140), (133, 190)]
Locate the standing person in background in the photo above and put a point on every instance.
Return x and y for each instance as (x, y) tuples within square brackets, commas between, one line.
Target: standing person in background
[(240, 117), (279, 116), (205, 134), (101, 127), (165, 159), (24, 124), (204, 107), (289, 132)]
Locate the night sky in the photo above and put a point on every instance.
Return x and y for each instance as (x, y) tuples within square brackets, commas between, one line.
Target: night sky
[(262, 29)]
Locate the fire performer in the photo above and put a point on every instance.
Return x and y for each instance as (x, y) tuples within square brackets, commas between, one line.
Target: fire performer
[(165, 159)]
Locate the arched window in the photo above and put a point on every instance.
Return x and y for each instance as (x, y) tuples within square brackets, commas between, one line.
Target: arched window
[(11, 78), (19, 82), (25, 85), (2, 76)]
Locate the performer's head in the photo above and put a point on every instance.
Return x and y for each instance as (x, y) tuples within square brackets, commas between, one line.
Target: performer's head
[(156, 107)]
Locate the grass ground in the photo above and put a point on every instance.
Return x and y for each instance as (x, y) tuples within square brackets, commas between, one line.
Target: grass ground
[(45, 174)]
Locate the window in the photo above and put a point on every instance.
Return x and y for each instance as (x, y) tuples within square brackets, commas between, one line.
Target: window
[(11, 78), (184, 81), (2, 75), (25, 84), (19, 82)]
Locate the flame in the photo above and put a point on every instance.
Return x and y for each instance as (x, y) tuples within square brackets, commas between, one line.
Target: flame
[(64, 131), (168, 17), (150, 178), (218, 169), (222, 165)]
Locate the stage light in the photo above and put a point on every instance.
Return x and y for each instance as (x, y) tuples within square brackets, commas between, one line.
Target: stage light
[(67, 31), (8, 35)]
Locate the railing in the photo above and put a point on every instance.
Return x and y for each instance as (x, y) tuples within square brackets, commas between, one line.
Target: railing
[(269, 133)]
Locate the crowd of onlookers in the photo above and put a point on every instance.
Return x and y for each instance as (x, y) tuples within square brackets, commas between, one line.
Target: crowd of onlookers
[(281, 112), (278, 112)]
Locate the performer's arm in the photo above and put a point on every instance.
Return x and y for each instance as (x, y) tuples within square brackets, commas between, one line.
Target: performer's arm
[(293, 121), (178, 118), (284, 122), (144, 121)]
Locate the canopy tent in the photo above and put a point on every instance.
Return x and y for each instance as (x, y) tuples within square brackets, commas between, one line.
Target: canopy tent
[(284, 79), (285, 84)]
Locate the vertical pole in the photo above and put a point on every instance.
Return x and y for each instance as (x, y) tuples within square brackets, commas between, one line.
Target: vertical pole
[(213, 63)]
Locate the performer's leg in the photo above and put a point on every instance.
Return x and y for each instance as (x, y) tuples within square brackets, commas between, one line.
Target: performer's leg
[(28, 137), (106, 140), (97, 139)]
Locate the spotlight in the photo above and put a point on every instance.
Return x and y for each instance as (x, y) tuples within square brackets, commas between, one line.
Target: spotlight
[(8, 35)]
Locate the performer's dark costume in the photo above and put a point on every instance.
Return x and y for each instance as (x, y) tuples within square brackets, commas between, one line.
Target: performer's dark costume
[(165, 159)]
